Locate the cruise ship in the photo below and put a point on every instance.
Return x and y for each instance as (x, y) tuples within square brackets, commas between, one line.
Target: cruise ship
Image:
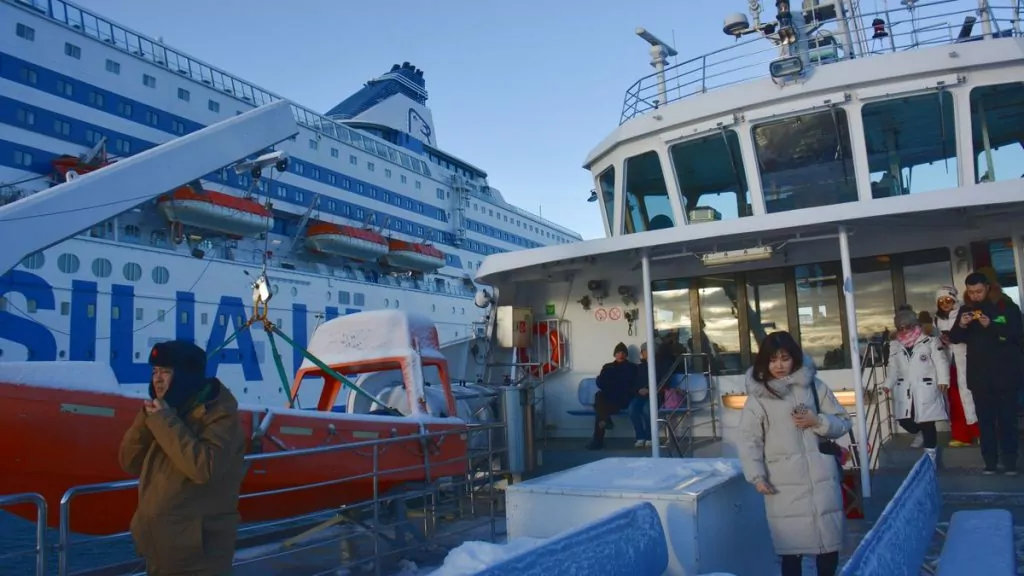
[(366, 212)]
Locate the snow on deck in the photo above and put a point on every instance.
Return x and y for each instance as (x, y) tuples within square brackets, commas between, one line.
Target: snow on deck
[(647, 475), (66, 375), (371, 335)]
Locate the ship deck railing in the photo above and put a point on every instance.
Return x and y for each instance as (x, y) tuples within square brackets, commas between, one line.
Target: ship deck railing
[(932, 23), (445, 508)]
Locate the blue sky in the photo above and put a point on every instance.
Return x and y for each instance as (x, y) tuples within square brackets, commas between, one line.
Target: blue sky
[(523, 90)]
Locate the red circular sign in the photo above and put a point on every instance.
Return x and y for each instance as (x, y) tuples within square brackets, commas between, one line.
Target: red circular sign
[(522, 327), (601, 314), (615, 313)]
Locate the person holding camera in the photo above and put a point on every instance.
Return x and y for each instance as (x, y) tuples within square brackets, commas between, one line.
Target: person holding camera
[(992, 333)]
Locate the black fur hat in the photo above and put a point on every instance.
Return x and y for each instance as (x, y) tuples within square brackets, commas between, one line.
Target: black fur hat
[(189, 364)]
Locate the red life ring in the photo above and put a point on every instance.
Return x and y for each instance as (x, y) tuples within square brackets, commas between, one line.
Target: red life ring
[(554, 341)]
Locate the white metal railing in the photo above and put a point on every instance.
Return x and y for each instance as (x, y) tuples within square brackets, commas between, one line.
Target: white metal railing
[(40, 548), (479, 470), (930, 23)]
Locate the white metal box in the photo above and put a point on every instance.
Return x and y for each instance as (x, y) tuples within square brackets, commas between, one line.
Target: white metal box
[(713, 519), (514, 327)]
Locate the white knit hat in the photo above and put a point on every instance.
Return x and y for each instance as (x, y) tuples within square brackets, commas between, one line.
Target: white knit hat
[(947, 292)]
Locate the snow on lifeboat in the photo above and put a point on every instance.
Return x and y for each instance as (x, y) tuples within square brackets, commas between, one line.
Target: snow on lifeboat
[(348, 241), (215, 211), (67, 167), (61, 425), (416, 257)]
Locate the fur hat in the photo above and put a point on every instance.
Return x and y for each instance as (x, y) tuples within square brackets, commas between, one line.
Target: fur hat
[(189, 364), (621, 347)]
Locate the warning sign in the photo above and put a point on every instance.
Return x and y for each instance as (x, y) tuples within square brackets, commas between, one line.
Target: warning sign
[(522, 327), (601, 314), (615, 313)]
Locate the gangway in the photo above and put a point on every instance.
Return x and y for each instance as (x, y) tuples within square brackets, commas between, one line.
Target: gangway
[(51, 216)]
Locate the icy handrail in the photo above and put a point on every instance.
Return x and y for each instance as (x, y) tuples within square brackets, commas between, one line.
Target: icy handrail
[(146, 48), (932, 23)]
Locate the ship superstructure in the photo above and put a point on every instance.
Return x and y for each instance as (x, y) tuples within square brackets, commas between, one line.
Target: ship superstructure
[(363, 212)]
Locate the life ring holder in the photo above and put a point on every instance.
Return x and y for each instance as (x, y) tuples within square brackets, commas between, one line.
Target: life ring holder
[(554, 360), (71, 175)]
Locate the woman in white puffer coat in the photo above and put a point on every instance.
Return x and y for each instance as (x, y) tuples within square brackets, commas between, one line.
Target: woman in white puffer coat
[(918, 377), (963, 420)]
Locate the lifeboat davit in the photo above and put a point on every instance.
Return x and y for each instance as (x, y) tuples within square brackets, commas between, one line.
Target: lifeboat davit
[(347, 241), (66, 167), (61, 425), (216, 211), (416, 257)]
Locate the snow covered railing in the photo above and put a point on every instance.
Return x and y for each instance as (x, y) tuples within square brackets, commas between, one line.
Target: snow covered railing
[(627, 541), (900, 539)]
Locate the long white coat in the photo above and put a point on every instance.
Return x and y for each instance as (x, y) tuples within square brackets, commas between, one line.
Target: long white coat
[(914, 378), (805, 515), (957, 354)]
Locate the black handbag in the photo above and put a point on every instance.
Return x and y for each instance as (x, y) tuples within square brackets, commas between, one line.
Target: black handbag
[(826, 446)]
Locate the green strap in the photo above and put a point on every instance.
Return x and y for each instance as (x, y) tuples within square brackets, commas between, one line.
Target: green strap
[(330, 371), (280, 369), (229, 340)]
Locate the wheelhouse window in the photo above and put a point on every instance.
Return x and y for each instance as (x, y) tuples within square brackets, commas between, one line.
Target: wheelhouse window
[(805, 161), (767, 309), (911, 144), (647, 203), (873, 295), (719, 324), (606, 182), (673, 324), (818, 312), (711, 180), (997, 125)]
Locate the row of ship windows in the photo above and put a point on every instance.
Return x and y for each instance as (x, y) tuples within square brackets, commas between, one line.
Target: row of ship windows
[(808, 160), (97, 99)]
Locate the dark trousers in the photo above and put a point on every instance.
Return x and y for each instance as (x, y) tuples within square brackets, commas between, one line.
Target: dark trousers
[(827, 564), (603, 409), (997, 421), (927, 430)]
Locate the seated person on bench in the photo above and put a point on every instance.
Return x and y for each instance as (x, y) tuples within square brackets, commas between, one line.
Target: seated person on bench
[(615, 390), (640, 406)]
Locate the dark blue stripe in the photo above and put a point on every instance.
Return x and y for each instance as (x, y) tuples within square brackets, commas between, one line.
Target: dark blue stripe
[(52, 82)]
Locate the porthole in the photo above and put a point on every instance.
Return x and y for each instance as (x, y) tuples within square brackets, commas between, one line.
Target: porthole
[(68, 263), (132, 272), (295, 291), (101, 268), (161, 275), (34, 261)]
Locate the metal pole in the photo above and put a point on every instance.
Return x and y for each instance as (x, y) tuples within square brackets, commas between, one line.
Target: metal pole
[(858, 384), (844, 28), (658, 55), (652, 374), (986, 18)]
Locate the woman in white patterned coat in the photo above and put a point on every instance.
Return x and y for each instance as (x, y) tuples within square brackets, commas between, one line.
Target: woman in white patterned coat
[(781, 457)]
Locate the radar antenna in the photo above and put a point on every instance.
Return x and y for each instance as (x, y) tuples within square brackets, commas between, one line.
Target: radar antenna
[(660, 52)]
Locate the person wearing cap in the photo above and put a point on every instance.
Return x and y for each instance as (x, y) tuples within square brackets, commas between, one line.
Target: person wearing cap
[(615, 390), (963, 420), (992, 331), (187, 447), (917, 379)]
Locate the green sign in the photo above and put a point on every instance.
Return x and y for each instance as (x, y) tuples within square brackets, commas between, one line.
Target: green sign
[(549, 309)]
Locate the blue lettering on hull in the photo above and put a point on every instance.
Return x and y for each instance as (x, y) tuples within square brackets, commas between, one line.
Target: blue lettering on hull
[(129, 364)]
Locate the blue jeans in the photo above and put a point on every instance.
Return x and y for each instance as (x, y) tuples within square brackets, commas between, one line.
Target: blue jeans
[(639, 415)]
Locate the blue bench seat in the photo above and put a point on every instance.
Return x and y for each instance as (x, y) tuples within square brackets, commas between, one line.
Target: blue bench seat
[(696, 386), (979, 542)]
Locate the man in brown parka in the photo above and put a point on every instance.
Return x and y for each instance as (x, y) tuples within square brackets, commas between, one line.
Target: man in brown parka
[(187, 447)]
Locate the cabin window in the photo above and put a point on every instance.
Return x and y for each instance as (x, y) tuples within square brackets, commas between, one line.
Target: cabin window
[(161, 275), (68, 263), (34, 261), (132, 272), (711, 179), (911, 144), (805, 161), (672, 316), (718, 298), (359, 299), (922, 272), (767, 305), (821, 325), (606, 184), (997, 122), (101, 267), (873, 294), (647, 203)]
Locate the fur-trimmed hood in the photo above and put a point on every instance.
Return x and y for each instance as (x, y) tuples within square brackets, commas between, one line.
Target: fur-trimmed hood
[(781, 386)]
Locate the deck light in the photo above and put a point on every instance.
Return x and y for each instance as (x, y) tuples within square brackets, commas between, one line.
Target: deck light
[(737, 256), (787, 66)]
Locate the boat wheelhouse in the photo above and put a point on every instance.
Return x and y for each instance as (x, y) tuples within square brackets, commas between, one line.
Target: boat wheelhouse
[(815, 199)]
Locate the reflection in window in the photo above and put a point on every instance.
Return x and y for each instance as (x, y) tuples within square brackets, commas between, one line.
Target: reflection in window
[(999, 255), (711, 178), (997, 121), (606, 182), (672, 322), (766, 306), (719, 321), (873, 295), (817, 300), (647, 203), (911, 144), (805, 161), (922, 277)]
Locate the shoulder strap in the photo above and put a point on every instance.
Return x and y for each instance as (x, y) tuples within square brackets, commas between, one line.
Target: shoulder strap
[(814, 392)]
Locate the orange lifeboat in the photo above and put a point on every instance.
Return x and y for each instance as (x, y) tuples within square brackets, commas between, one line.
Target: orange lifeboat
[(347, 241), (61, 424), (67, 167), (416, 257), (216, 211)]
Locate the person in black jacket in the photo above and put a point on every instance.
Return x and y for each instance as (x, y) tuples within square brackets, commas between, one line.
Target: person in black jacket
[(992, 332), (615, 390)]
